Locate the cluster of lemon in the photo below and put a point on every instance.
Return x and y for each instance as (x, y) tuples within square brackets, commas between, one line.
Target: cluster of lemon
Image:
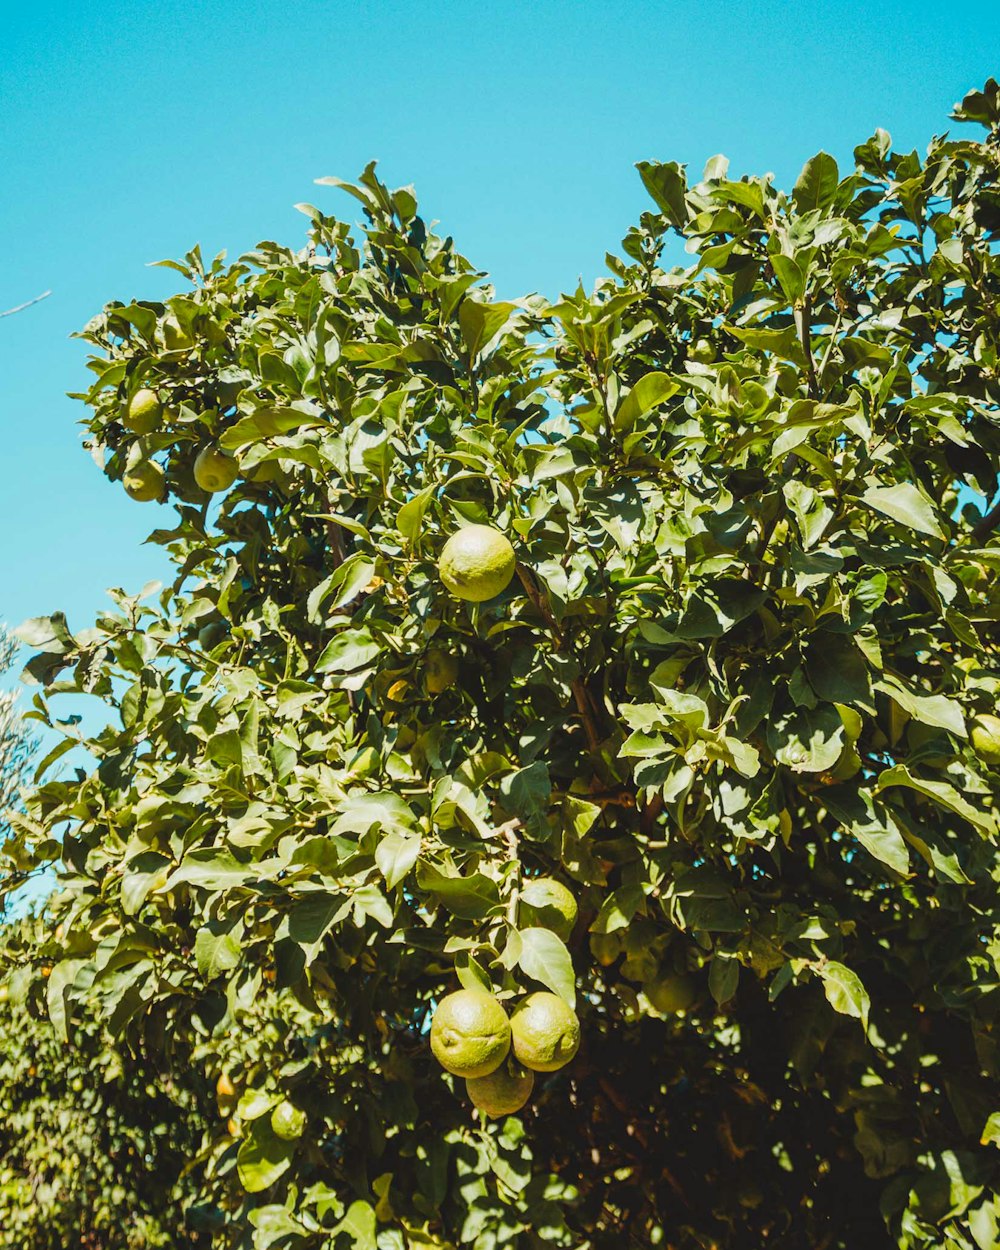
[(498, 1055), (214, 470)]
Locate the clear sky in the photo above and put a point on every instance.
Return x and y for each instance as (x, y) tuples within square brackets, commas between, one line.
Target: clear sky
[(130, 131)]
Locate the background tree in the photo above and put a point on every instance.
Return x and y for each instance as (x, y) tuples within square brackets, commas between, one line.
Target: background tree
[(739, 697), (16, 744)]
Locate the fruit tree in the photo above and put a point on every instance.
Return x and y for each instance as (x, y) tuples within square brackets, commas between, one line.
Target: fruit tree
[(615, 676)]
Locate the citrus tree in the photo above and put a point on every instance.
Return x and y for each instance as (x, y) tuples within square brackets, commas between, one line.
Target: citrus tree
[(576, 719)]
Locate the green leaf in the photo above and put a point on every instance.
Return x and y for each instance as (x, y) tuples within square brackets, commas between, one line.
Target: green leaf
[(650, 390), (874, 827), (816, 186), (668, 187), (410, 517), (544, 958), (845, 992), (396, 854), (350, 649), (360, 1225), (905, 503), (991, 1131), (480, 322), (211, 869), (812, 514), (932, 709), (470, 897), (940, 791), (808, 741), (263, 1157), (217, 949)]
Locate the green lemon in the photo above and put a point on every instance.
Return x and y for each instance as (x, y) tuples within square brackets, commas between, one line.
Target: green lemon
[(671, 993), (501, 1092), (288, 1121), (214, 470), (144, 481), (440, 671), (545, 1032), (144, 412), (470, 1033), (477, 563), (548, 904), (985, 735)]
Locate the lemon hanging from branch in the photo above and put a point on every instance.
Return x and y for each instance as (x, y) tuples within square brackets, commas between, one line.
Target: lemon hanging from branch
[(477, 563)]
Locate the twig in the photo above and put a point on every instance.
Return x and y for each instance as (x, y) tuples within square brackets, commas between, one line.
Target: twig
[(802, 322), (21, 307)]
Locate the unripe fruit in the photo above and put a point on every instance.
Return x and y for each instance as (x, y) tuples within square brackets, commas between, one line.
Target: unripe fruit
[(545, 1032), (288, 1121), (673, 993), (440, 671), (214, 470), (144, 412), (470, 1033), (144, 481), (501, 1092), (548, 904), (985, 736), (477, 563)]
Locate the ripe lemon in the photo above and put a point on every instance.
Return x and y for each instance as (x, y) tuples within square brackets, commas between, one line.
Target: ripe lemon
[(144, 481), (144, 412), (224, 1086), (470, 1033), (985, 735), (214, 470), (545, 1032), (440, 671), (288, 1121), (502, 1092), (477, 563), (671, 993), (548, 904)]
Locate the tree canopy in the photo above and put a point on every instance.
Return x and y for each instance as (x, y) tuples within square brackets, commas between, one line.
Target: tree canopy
[(739, 696)]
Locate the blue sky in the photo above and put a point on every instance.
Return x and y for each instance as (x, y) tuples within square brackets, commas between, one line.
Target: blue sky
[(129, 132)]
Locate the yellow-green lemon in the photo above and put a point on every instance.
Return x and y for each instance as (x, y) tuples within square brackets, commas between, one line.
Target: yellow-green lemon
[(440, 670), (470, 1033), (501, 1092), (671, 993), (144, 481), (985, 735), (548, 904), (214, 470), (288, 1121), (545, 1032), (477, 563), (144, 412)]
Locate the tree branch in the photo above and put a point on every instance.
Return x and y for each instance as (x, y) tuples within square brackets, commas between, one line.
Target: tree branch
[(580, 695), (803, 316)]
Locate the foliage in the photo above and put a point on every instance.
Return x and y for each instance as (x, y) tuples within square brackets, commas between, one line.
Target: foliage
[(725, 699), (93, 1139)]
